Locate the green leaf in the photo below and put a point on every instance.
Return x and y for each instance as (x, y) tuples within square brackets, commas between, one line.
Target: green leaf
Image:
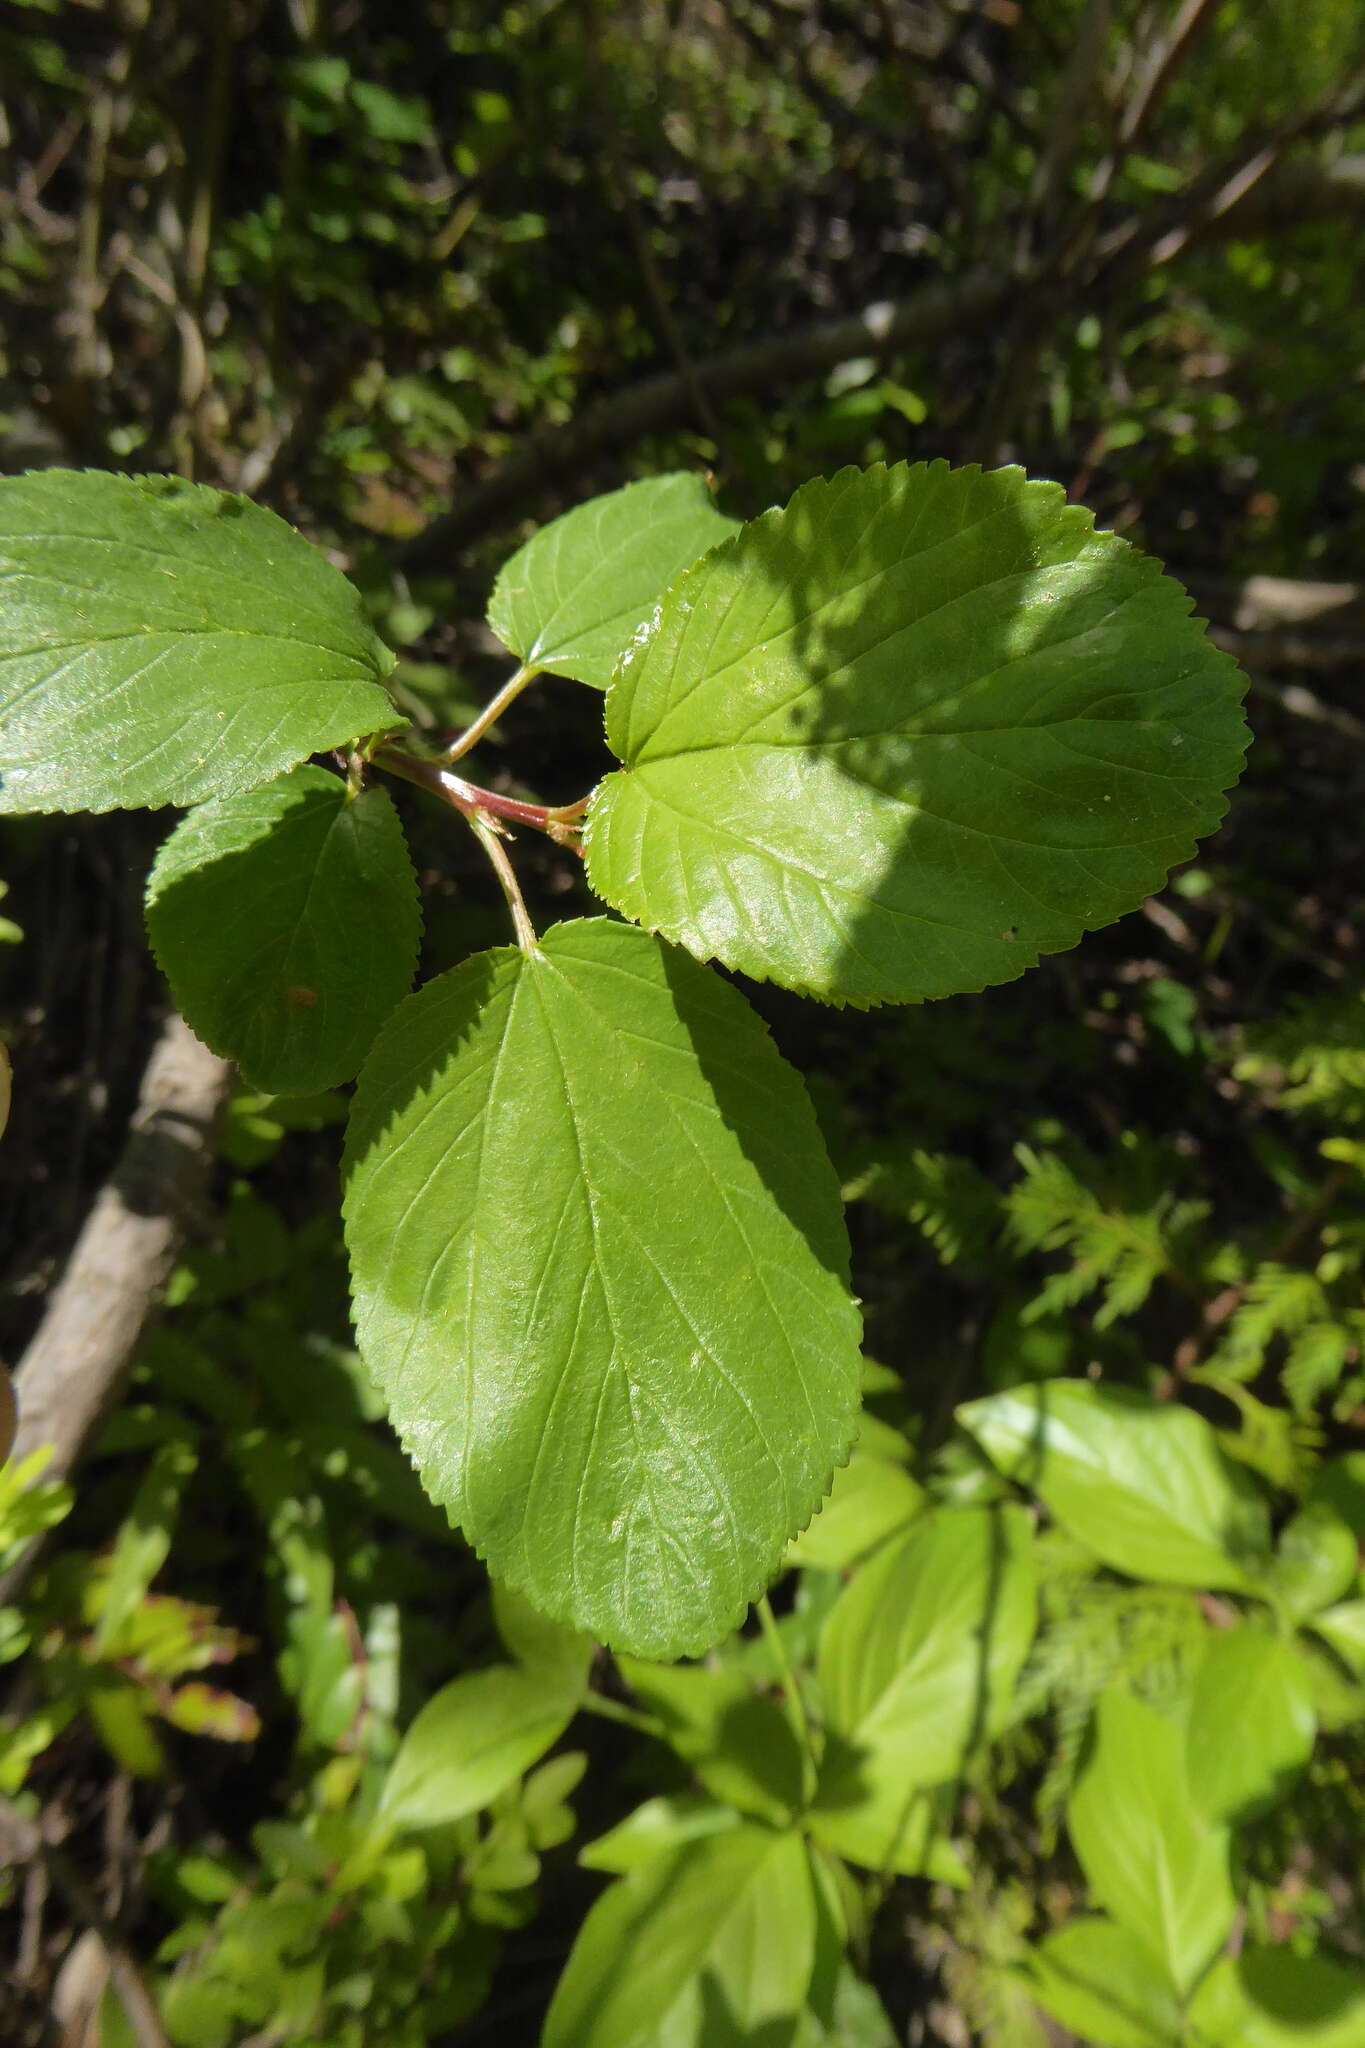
[(471, 1741), (1315, 1562), (578, 591), (143, 1542), (917, 1664), (1251, 1723), (1149, 1859), (600, 1272), (543, 1647), (907, 735), (871, 1499), (1272, 1998), (1343, 1627), (740, 1745), (660, 1826), (286, 922), (163, 642), (715, 1943), (1142, 1482), (1104, 1985)]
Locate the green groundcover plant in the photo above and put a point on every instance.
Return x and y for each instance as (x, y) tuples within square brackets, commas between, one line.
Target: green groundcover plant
[(892, 742)]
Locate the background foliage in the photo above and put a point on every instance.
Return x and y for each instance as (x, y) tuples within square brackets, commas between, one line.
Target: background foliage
[(360, 264)]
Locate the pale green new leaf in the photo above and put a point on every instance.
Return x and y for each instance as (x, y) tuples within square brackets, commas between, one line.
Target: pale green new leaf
[(658, 1827), (739, 1744), (1343, 1627), (161, 643), (547, 1649), (574, 596), (1315, 1564), (286, 922), (1251, 1723), (1149, 1858), (714, 1943), (1272, 1998), (907, 735), (916, 1665), (1141, 1482), (600, 1273), (871, 1499), (471, 1741), (1103, 1984)]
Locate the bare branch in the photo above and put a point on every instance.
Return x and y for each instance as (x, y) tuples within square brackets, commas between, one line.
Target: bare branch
[(73, 1371)]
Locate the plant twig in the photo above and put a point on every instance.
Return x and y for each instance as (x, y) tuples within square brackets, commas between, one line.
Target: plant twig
[(73, 1371), (491, 713), (486, 832), (25, 1841), (791, 1691)]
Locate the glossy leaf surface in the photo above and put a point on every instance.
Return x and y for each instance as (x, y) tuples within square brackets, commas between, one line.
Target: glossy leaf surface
[(1149, 1859), (1142, 1482), (600, 1272), (907, 735), (286, 922), (572, 598), (162, 643), (715, 1943)]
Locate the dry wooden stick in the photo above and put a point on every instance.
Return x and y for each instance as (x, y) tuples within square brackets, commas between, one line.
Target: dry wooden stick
[(74, 1369)]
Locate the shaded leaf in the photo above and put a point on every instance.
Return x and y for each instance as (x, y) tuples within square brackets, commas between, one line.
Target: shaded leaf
[(916, 1667), (714, 1943), (286, 922), (740, 1745), (1272, 1998), (907, 735)]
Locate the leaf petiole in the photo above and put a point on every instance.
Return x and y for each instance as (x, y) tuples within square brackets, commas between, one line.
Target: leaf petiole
[(491, 713)]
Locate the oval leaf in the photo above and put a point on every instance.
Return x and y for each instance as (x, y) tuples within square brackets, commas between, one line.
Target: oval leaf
[(1255, 1684), (907, 735), (1272, 1998), (162, 642), (871, 1499), (574, 596), (1149, 1859), (286, 922), (1103, 1984), (1142, 1482), (471, 1741), (600, 1272), (714, 1943), (917, 1664)]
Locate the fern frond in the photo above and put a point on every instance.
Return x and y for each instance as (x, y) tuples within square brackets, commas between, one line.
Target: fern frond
[(1280, 1301), (1313, 1058), (1117, 1248)]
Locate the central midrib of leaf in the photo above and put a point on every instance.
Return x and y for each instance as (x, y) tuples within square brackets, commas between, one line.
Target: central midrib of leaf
[(591, 1198)]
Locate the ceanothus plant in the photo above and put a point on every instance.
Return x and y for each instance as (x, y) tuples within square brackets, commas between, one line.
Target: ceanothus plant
[(892, 742)]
